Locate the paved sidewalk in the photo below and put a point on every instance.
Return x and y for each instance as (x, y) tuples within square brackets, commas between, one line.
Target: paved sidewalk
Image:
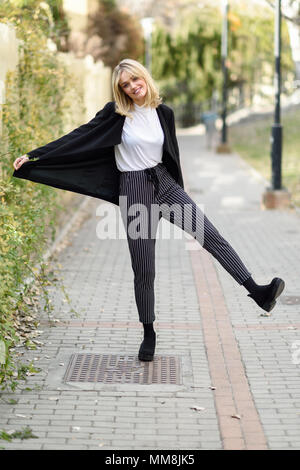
[(239, 370)]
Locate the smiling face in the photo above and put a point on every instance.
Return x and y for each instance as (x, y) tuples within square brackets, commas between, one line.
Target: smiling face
[(135, 87)]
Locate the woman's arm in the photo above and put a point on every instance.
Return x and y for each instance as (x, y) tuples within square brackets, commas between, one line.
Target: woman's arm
[(81, 130)]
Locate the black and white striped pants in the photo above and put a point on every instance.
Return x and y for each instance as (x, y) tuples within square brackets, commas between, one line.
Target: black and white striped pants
[(146, 196)]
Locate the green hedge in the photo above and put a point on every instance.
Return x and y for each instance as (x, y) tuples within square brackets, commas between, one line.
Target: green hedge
[(32, 116)]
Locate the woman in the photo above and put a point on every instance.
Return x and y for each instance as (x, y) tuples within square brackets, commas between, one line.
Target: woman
[(130, 151)]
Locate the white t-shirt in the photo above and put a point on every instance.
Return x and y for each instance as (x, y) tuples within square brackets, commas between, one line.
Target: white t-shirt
[(142, 140)]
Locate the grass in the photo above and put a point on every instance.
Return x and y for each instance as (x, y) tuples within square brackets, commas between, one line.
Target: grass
[(25, 433), (251, 140)]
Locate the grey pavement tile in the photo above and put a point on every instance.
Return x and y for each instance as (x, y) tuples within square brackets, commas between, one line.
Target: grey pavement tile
[(100, 285), (267, 355)]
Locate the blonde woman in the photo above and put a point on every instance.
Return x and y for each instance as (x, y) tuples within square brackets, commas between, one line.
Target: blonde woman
[(129, 150)]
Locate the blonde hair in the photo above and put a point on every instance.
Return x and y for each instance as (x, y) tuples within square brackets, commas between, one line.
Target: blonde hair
[(124, 104)]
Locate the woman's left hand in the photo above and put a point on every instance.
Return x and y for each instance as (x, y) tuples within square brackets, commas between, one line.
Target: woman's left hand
[(19, 161)]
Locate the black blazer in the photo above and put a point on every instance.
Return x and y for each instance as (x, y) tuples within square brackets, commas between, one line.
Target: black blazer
[(83, 161)]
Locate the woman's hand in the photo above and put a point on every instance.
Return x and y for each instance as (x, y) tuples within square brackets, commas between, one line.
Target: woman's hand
[(19, 161)]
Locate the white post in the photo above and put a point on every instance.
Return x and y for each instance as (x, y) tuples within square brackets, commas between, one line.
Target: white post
[(147, 25)]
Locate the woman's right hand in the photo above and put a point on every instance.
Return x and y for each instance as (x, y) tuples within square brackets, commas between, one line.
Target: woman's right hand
[(19, 161)]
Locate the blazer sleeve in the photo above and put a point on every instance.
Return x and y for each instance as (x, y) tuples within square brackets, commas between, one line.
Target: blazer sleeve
[(79, 131)]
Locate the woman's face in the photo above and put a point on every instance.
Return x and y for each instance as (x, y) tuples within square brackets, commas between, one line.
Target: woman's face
[(134, 87)]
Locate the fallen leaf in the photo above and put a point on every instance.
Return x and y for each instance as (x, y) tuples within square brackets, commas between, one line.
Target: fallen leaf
[(38, 343), (197, 408), (236, 416)]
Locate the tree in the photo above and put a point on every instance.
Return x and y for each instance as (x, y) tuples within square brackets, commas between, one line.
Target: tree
[(291, 12), (61, 32), (251, 52), (187, 65), (113, 35)]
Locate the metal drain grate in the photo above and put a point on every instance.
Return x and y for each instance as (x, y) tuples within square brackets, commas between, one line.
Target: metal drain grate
[(109, 369)]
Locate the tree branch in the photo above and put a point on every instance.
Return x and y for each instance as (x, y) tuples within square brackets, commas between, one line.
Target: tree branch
[(288, 18)]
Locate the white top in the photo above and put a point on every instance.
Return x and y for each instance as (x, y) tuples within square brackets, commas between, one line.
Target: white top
[(142, 141)]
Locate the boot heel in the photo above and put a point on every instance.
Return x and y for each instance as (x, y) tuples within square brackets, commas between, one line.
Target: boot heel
[(146, 352)]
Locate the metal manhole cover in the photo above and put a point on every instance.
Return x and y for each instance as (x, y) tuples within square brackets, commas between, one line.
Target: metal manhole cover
[(111, 369), (290, 299)]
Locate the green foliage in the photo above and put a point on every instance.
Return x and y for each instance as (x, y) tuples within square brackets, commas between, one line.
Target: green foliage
[(59, 30), (32, 115), (251, 50), (51, 17), (187, 62), (187, 65), (252, 141), (25, 433)]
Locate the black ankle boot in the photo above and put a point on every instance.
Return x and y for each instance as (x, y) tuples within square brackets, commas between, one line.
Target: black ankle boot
[(268, 300), (147, 347)]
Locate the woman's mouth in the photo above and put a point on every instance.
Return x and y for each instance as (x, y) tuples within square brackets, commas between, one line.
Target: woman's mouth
[(137, 91)]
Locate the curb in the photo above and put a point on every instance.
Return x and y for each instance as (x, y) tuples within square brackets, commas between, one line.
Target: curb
[(66, 228), (61, 235)]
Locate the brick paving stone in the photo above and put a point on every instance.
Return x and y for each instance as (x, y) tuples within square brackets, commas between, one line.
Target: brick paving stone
[(98, 277), (232, 194), (114, 417)]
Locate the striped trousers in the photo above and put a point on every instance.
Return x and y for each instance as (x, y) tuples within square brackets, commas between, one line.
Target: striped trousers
[(147, 195)]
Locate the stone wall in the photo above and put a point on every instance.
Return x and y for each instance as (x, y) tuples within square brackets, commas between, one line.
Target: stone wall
[(8, 58), (92, 79)]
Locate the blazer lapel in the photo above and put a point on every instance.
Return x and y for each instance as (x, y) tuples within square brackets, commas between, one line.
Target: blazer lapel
[(167, 145), (163, 125)]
